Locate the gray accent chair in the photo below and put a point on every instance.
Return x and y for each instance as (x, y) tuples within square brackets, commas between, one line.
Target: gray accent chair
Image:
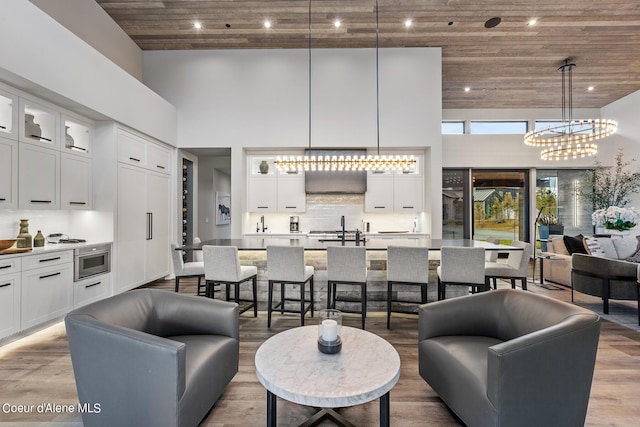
[(152, 357), (605, 278), (509, 358)]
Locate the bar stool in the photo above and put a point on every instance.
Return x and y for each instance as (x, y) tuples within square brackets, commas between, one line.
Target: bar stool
[(347, 265), (183, 269), (461, 266), (406, 266), (285, 265), (222, 266), (492, 256), (516, 267)]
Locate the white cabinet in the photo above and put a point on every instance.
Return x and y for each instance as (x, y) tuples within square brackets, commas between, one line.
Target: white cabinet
[(408, 193), (39, 177), (395, 191), (46, 287), (158, 158), (91, 289), (379, 195), (291, 194), (135, 150), (273, 191), (8, 115), (9, 296), (142, 245), (8, 174), (39, 124), (262, 194), (75, 182), (77, 136)]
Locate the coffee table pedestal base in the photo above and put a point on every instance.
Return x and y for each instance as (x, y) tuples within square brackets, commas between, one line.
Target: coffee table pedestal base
[(326, 414)]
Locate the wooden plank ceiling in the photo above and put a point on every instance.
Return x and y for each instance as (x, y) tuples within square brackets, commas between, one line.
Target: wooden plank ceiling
[(511, 65)]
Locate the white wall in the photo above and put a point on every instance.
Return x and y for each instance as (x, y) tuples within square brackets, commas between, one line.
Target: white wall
[(87, 20), (258, 99), (212, 176), (47, 60)]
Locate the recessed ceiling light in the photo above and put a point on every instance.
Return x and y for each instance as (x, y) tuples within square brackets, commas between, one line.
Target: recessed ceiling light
[(197, 25), (533, 22), (267, 24), (590, 88), (467, 89), (337, 23), (408, 23)]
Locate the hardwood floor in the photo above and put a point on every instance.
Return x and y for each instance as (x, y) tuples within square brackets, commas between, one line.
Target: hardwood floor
[(37, 370)]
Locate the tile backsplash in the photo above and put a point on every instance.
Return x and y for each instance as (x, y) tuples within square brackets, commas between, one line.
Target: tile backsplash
[(324, 212)]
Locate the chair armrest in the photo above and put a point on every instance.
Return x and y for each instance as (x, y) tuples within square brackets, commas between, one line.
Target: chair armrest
[(601, 267), (544, 366), (467, 315), (108, 360), (179, 314)]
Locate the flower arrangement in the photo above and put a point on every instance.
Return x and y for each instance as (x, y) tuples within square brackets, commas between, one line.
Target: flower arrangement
[(615, 218)]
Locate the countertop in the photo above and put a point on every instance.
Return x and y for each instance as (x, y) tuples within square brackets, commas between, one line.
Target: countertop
[(52, 247), (380, 244)]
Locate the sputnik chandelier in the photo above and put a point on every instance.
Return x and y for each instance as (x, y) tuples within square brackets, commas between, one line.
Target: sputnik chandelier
[(571, 138), (347, 163)]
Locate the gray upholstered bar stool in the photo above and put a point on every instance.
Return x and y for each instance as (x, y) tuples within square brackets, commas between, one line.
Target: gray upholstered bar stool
[(406, 266), (183, 269), (460, 266), (222, 266), (285, 265), (516, 267), (347, 265)]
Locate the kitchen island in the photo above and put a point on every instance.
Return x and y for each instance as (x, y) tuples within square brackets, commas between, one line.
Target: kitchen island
[(252, 251)]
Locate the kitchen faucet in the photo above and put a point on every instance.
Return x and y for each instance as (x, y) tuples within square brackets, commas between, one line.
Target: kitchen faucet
[(342, 225), (264, 227)]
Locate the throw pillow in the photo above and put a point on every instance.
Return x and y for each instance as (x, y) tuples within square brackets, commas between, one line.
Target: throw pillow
[(625, 247), (636, 256), (593, 247), (575, 245)]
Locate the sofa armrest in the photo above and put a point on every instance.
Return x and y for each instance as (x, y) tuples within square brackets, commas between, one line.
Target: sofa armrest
[(108, 361), (179, 314), (604, 266)]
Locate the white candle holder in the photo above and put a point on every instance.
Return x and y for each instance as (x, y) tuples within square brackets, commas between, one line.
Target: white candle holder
[(329, 328)]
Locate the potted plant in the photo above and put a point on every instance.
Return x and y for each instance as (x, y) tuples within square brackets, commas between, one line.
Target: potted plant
[(547, 220)]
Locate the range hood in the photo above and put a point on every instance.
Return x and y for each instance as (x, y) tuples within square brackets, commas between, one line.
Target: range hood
[(335, 182)]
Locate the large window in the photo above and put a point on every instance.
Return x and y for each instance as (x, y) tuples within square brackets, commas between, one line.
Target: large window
[(498, 127)]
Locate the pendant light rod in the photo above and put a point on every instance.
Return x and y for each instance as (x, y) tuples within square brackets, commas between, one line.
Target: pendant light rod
[(309, 76), (377, 85)]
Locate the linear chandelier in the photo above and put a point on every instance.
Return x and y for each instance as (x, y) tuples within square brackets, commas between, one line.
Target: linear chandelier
[(571, 138), (376, 163)]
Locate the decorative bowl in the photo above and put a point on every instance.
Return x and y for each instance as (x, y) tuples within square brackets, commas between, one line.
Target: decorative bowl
[(6, 244)]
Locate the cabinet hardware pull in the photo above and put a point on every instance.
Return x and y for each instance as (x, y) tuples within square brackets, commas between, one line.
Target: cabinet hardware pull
[(407, 207), (151, 227), (50, 259), (75, 147), (160, 167), (3, 127), (50, 275), (92, 285), (263, 207), (4, 266), (379, 207), (290, 207), (40, 201), (378, 172), (77, 203), (2, 199), (134, 159), (5, 285)]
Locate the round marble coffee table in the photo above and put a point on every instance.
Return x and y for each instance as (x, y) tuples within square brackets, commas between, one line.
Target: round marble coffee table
[(290, 366)]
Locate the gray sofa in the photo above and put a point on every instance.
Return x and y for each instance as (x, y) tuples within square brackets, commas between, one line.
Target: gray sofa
[(509, 358), (152, 358)]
